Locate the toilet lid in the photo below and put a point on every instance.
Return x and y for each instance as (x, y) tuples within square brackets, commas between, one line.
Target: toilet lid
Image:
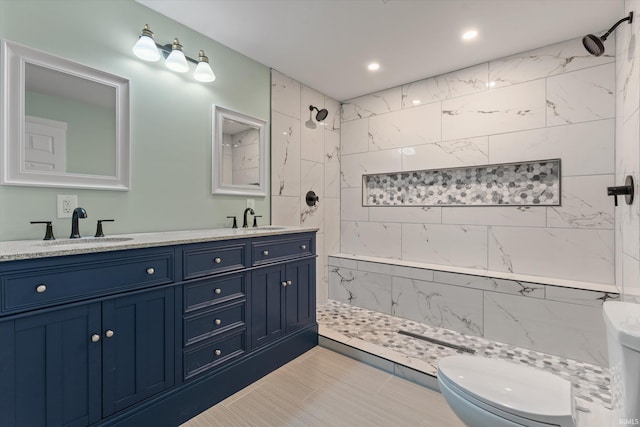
[(516, 389)]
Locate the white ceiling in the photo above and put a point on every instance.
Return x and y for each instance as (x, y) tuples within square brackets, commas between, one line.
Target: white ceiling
[(327, 44)]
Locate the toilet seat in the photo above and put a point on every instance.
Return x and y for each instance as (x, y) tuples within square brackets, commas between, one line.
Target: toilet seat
[(522, 394)]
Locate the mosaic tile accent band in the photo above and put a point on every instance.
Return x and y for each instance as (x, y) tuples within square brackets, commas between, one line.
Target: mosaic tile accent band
[(535, 183)]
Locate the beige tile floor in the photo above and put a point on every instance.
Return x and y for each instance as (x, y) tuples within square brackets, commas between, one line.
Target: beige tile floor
[(324, 388)]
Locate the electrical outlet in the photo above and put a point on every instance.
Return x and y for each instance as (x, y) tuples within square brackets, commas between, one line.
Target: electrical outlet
[(66, 204), (251, 203)]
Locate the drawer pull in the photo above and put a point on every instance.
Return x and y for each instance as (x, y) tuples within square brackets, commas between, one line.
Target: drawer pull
[(284, 284), (217, 321), (109, 333), (303, 247), (265, 252), (217, 260), (150, 270), (217, 352), (41, 288), (217, 291), (289, 283), (95, 337)]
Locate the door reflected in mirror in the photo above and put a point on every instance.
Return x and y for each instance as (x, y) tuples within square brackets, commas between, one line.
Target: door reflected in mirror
[(67, 125), (239, 160)]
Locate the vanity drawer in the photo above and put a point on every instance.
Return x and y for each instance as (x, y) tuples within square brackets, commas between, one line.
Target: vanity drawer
[(214, 258), (41, 287), (269, 250), (211, 355), (213, 322), (205, 293)]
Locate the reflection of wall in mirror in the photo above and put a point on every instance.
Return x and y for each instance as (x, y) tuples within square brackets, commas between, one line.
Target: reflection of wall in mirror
[(245, 148), (227, 163), (90, 131)]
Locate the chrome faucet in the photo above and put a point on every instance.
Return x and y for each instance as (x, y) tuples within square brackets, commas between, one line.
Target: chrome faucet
[(245, 224), (77, 214)]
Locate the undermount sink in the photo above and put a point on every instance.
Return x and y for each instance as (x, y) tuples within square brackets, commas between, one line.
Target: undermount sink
[(87, 240), (265, 228)]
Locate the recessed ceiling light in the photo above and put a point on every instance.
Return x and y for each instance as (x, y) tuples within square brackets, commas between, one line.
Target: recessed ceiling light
[(374, 66), (469, 35), (491, 84), (416, 102)]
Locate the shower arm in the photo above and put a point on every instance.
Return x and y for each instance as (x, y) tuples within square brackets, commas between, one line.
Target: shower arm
[(628, 18)]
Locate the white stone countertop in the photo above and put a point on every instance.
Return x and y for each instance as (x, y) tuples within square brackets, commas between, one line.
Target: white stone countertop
[(28, 249)]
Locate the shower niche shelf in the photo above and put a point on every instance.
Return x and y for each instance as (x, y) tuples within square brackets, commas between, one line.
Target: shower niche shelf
[(531, 183)]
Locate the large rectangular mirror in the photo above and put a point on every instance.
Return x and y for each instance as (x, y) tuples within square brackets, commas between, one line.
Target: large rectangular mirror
[(239, 155), (65, 124)]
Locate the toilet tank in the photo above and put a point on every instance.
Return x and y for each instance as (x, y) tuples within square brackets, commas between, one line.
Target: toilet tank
[(622, 320)]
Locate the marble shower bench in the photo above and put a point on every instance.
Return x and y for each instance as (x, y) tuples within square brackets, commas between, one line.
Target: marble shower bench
[(509, 308), (373, 338)]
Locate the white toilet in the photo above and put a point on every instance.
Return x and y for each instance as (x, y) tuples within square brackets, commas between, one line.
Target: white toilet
[(487, 392)]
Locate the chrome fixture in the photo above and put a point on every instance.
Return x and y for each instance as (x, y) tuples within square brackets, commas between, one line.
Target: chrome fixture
[(245, 224), (595, 44), (320, 116), (77, 214), (148, 50)]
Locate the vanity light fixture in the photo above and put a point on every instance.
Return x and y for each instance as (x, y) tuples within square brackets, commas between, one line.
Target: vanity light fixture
[(148, 50)]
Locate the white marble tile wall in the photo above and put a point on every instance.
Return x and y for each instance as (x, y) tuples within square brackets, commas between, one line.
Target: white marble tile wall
[(627, 150), (553, 102), (304, 159), (510, 311)]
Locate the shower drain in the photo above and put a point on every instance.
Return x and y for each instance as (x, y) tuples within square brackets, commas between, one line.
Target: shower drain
[(438, 342)]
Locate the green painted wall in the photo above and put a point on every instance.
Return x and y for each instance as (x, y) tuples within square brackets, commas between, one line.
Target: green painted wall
[(91, 135), (170, 118)]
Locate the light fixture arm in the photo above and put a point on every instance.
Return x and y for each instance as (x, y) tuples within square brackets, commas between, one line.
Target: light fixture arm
[(166, 50), (628, 18)]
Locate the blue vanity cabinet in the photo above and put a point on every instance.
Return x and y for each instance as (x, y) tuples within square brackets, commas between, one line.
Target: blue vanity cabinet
[(283, 294), (74, 363), (50, 371)]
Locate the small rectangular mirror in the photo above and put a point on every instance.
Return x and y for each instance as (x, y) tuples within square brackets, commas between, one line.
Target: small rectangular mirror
[(239, 154), (65, 124)]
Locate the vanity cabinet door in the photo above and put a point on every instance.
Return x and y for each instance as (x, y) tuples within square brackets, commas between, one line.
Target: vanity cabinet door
[(300, 294), (267, 299), (50, 368), (138, 348)]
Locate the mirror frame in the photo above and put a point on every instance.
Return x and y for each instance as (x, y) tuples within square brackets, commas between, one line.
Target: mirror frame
[(217, 185), (14, 58)]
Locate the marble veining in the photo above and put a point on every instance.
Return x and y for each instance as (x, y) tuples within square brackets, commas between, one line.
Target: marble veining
[(378, 333)]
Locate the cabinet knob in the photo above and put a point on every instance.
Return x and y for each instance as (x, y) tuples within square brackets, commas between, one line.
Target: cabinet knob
[(265, 252), (109, 333), (217, 260), (217, 291), (217, 321), (41, 288), (303, 247), (150, 270), (217, 352), (284, 284), (289, 283), (95, 337)]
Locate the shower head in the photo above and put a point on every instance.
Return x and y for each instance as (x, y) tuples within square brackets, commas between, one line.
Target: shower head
[(595, 44), (321, 115)]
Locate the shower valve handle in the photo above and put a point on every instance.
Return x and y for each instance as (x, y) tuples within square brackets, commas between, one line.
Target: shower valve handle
[(626, 190)]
